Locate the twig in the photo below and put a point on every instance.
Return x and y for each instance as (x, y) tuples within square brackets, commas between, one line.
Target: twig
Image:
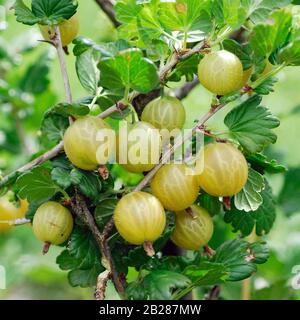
[(166, 156), (108, 8), (177, 57), (61, 57), (39, 160), (18, 222), (214, 293), (80, 208), (183, 91), (102, 284)]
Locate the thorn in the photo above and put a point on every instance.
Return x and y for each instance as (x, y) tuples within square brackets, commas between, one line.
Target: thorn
[(49, 42)]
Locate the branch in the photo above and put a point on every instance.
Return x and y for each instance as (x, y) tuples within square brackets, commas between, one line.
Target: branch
[(80, 208), (214, 293), (63, 67), (108, 8), (18, 222), (134, 96), (166, 156), (179, 56), (184, 91), (102, 284)]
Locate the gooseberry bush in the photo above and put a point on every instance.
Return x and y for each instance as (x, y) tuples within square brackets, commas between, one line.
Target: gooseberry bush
[(118, 221)]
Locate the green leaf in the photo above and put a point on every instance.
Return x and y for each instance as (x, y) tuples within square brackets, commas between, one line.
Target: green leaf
[(234, 12), (136, 291), (187, 16), (104, 211), (45, 11), (206, 275), (157, 285), (149, 26), (289, 195), (108, 49), (210, 203), (61, 177), (53, 11), (36, 78), (229, 12), (243, 52), (290, 54), (37, 185), (262, 219), (235, 260), (238, 258), (160, 284), (266, 87), (54, 127), (129, 69), (87, 70), (83, 248), (249, 198), (24, 14), (157, 50), (85, 278), (66, 262), (89, 183), (187, 68), (259, 11), (110, 97), (66, 110), (56, 120), (127, 10), (251, 125), (262, 164), (8, 181), (262, 252), (271, 35), (61, 161)]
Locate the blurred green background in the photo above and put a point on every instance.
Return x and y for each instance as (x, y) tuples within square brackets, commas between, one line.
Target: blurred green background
[(30, 275)]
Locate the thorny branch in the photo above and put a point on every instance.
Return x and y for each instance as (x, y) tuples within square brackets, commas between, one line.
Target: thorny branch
[(139, 100), (82, 211)]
